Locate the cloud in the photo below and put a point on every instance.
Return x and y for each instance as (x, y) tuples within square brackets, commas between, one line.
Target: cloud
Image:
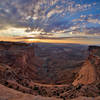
[(92, 30), (47, 16), (94, 21)]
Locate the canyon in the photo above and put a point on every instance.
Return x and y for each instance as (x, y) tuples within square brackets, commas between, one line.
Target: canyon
[(48, 74)]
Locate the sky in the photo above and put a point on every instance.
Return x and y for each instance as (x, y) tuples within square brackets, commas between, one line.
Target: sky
[(65, 21)]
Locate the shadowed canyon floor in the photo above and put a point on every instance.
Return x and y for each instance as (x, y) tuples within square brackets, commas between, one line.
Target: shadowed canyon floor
[(61, 71)]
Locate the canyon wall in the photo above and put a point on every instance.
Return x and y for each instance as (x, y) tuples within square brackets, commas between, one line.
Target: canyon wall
[(19, 63), (90, 71)]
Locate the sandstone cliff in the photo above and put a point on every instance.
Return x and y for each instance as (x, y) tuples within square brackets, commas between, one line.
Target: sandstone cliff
[(90, 71), (19, 63)]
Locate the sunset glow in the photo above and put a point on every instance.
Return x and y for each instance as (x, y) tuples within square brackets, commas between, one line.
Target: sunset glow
[(54, 21)]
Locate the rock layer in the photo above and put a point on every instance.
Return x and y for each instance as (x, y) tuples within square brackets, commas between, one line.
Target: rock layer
[(19, 63), (90, 71)]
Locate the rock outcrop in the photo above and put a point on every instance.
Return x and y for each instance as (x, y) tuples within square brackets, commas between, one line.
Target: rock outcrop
[(87, 98), (87, 74), (90, 71), (19, 63), (10, 94)]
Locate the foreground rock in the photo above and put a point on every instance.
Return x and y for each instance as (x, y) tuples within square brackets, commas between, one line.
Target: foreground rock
[(87, 98), (10, 94)]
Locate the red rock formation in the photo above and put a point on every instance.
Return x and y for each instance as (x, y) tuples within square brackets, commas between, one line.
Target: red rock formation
[(21, 60), (20, 69), (90, 71), (87, 74)]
